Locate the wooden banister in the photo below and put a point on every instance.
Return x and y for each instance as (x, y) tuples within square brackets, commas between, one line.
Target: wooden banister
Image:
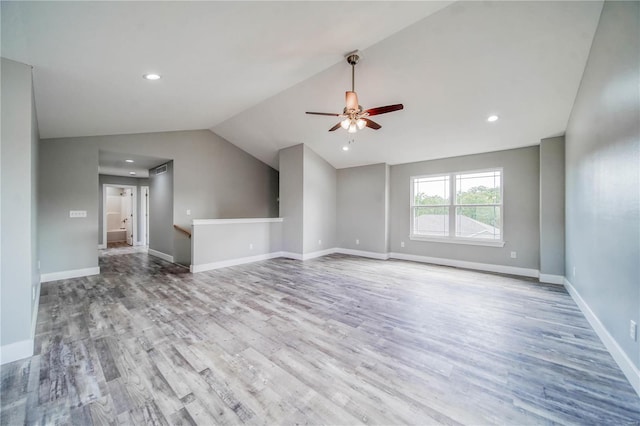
[(183, 230)]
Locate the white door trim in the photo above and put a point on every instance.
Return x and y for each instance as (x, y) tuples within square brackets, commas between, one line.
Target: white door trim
[(134, 210)]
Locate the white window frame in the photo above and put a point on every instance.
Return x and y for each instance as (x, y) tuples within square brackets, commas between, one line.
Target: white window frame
[(452, 238)]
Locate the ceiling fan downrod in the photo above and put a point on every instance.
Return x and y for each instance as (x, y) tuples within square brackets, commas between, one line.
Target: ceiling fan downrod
[(352, 59)]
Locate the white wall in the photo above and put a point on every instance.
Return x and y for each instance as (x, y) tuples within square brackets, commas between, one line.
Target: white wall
[(603, 177), (18, 205)]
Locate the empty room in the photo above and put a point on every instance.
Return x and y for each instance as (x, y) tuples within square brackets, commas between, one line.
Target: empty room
[(320, 212)]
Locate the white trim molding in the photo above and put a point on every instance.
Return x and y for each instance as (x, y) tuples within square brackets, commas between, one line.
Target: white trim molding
[(362, 253), (196, 222), (488, 267), (15, 351), (233, 262), (551, 279), (73, 273), (290, 255), (319, 253), (161, 255), (626, 365), (102, 246)]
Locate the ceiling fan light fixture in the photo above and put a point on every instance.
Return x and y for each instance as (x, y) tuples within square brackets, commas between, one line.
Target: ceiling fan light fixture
[(361, 124), (352, 128), (345, 123)]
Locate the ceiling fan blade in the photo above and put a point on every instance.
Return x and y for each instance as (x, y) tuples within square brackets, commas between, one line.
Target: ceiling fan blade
[(351, 100), (337, 126), (324, 113), (384, 109), (372, 124)]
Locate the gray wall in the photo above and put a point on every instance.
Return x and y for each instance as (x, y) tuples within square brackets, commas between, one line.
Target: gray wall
[(68, 181), (212, 178), (520, 217), (18, 180), (319, 210), (291, 162), (121, 180), (161, 196), (602, 177), (552, 206), (307, 201), (230, 241), (362, 206)]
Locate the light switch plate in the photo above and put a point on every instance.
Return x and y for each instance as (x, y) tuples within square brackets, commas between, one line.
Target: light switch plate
[(77, 213)]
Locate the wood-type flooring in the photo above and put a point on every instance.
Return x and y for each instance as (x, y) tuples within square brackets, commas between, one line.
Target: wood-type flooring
[(337, 340)]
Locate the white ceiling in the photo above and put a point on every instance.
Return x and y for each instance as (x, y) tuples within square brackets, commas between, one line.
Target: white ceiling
[(249, 71)]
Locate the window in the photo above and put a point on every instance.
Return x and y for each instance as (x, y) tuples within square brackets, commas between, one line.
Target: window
[(458, 207)]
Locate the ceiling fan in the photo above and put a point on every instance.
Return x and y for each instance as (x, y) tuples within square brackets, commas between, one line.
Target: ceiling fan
[(355, 118)]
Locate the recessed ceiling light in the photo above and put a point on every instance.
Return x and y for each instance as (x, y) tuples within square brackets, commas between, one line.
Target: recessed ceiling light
[(492, 118), (151, 76), (345, 148), (129, 161), (132, 173)]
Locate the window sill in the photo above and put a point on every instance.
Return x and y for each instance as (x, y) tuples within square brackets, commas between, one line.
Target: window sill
[(457, 241)]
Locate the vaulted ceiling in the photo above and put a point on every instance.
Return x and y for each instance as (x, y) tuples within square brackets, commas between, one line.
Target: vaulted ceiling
[(249, 70)]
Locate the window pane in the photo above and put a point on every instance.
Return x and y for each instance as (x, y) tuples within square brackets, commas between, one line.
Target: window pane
[(478, 188), (430, 191), (478, 222), (432, 221)]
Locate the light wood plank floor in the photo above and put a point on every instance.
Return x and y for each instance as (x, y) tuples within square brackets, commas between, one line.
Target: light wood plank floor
[(335, 340)]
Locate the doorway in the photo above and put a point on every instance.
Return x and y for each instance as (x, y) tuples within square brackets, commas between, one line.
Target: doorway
[(119, 220)]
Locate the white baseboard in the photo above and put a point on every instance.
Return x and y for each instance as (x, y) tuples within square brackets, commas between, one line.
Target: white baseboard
[(15, 351), (488, 267), (73, 273), (233, 262), (320, 253), (362, 253), (290, 255), (34, 314), (161, 255), (102, 246), (307, 256), (626, 365), (551, 279)]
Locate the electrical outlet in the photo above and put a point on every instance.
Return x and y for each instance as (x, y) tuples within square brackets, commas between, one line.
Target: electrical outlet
[(633, 330), (357, 241), (188, 212), (319, 242), (401, 243), (251, 246), (514, 255)]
